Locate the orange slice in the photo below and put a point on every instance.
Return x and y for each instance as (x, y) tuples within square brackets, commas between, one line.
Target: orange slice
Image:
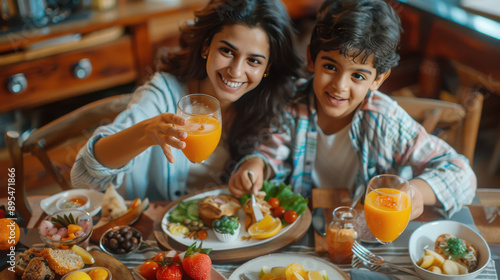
[(267, 227), (294, 270), (314, 275)]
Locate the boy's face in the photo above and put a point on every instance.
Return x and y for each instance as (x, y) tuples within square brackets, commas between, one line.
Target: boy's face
[(340, 85)]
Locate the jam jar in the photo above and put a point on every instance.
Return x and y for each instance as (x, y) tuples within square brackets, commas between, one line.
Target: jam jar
[(341, 234)]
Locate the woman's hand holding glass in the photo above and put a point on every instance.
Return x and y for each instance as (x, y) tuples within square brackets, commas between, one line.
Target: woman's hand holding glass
[(165, 131)]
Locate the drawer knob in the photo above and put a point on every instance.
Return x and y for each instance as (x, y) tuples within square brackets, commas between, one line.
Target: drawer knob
[(17, 83), (82, 69)]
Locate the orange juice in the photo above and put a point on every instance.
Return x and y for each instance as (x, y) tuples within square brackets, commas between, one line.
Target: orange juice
[(387, 215), (203, 137)]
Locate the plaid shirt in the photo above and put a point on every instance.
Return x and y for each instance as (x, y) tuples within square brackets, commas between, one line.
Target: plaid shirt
[(386, 139)]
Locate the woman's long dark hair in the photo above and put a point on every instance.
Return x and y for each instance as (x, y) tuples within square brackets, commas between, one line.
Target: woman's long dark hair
[(259, 108)]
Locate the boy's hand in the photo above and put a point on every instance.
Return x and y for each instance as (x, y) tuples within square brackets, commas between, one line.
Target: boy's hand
[(240, 184)]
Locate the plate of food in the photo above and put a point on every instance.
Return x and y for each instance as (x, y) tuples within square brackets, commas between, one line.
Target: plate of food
[(288, 263), (84, 199), (169, 236), (210, 206)]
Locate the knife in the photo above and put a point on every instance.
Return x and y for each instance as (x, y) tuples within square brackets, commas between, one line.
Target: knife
[(318, 220), (255, 207)]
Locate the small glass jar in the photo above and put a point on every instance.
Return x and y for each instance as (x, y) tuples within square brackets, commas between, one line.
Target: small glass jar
[(341, 234)]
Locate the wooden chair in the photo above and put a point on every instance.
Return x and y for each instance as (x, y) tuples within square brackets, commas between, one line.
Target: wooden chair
[(457, 124), (79, 123)]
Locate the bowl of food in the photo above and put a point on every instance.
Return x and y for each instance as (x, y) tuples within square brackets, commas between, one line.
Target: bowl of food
[(448, 250), (76, 201), (65, 228), (121, 241), (226, 228)]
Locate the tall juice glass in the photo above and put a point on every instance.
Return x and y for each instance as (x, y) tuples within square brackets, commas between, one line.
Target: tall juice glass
[(387, 206), (203, 125)]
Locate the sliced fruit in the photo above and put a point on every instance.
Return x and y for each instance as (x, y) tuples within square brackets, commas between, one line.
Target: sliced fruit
[(86, 256), (267, 227), (435, 269), (426, 261), (450, 267), (73, 228), (265, 270), (295, 268), (462, 269), (324, 274), (178, 230), (279, 271), (268, 276), (296, 276), (313, 275), (438, 259)]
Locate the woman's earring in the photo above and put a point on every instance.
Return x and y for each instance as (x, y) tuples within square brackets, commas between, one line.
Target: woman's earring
[(203, 56), (265, 75)]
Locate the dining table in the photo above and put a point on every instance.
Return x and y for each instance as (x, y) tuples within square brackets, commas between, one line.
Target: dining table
[(482, 218)]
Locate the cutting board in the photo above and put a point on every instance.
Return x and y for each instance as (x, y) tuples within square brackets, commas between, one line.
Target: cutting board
[(329, 199), (118, 270)]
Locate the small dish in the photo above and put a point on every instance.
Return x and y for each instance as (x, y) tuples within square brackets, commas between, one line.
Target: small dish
[(87, 270), (75, 201), (425, 237), (56, 235), (110, 241), (227, 237), (49, 204)]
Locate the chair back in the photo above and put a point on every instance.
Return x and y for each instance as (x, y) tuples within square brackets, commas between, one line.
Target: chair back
[(457, 124), (77, 124)]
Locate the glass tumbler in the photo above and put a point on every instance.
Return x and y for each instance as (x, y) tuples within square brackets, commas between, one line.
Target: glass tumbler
[(341, 234)]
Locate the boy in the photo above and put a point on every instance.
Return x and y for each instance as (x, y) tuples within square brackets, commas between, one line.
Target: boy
[(341, 131)]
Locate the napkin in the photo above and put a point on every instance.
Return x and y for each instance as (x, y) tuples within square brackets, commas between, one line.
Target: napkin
[(364, 274)]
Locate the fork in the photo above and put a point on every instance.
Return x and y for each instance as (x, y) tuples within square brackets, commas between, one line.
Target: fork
[(374, 262)]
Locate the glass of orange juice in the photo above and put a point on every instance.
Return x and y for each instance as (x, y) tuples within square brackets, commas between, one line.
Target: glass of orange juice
[(387, 206), (203, 125)]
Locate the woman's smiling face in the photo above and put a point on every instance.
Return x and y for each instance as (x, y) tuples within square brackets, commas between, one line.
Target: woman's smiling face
[(238, 57)]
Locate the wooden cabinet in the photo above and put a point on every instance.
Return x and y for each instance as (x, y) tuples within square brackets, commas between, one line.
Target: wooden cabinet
[(32, 76), (68, 74)]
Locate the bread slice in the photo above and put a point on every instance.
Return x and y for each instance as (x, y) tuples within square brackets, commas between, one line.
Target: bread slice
[(63, 261), (38, 269), (469, 260), (23, 259)]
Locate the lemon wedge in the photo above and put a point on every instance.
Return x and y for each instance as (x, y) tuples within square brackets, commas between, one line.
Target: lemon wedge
[(78, 275), (265, 270), (267, 227), (314, 275), (86, 256)]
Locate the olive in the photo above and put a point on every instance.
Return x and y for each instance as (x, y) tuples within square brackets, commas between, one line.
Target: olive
[(128, 235), (121, 251), (134, 240), (113, 243)]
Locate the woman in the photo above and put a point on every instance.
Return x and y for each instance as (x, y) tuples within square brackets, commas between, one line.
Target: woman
[(240, 52)]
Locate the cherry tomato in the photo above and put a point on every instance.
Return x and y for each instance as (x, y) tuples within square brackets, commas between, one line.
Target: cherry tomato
[(274, 202), (149, 269), (290, 216), (202, 234), (279, 212), (160, 256)]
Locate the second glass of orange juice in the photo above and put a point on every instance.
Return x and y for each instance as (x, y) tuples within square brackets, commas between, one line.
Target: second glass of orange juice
[(203, 125), (387, 206)]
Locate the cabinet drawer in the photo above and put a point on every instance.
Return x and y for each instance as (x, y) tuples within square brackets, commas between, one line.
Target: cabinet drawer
[(55, 78)]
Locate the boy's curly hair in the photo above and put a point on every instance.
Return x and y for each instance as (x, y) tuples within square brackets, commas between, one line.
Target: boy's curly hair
[(358, 28)]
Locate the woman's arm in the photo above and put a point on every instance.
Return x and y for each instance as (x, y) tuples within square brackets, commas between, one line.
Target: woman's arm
[(116, 150)]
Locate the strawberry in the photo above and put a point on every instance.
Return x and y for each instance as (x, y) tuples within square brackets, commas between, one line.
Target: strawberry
[(170, 271), (197, 263)]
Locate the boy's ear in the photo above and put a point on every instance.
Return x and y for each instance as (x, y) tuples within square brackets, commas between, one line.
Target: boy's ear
[(310, 63), (380, 80)]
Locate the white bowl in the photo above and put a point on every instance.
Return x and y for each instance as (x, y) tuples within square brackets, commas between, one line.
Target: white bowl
[(425, 236), (68, 202)]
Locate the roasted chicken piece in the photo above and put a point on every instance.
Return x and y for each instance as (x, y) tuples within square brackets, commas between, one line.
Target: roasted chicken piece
[(214, 207), (264, 206)]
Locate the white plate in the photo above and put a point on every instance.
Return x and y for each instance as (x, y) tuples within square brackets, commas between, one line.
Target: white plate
[(48, 204), (212, 241), (252, 268)]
